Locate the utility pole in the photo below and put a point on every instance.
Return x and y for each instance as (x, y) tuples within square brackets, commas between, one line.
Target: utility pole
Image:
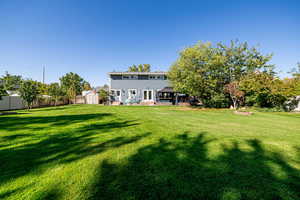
[(44, 74)]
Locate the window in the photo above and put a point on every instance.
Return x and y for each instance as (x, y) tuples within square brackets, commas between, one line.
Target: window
[(115, 92), (116, 77), (148, 95), (160, 77), (130, 77), (134, 77), (132, 93), (116, 95), (143, 77), (157, 77)]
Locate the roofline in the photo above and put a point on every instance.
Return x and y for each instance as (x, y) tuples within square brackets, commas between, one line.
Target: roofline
[(137, 73)]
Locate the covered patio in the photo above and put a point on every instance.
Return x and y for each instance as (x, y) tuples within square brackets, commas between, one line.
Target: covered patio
[(168, 95)]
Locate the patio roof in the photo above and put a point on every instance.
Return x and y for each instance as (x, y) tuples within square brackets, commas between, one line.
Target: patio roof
[(167, 89)]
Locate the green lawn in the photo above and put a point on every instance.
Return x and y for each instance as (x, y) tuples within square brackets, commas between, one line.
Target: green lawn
[(101, 152)]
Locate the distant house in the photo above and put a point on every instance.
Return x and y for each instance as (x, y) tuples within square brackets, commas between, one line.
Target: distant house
[(142, 88)]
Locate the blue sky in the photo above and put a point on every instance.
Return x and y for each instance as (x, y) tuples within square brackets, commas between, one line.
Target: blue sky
[(92, 38)]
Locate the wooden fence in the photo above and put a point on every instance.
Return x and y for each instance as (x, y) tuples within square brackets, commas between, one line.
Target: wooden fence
[(16, 102)]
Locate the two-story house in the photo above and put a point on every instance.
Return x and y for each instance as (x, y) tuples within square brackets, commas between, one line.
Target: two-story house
[(140, 87)]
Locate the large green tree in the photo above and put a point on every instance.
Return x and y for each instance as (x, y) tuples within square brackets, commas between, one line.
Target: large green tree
[(43, 88), (29, 92), (56, 92), (203, 70), (86, 85), (11, 82), (264, 90), (72, 84), (294, 82)]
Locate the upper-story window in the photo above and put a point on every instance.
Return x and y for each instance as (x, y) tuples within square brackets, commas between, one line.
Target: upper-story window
[(138, 77), (157, 77), (160, 77), (116, 77), (130, 77)]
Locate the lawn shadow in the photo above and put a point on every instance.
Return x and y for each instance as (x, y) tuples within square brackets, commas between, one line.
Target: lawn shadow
[(16, 136), (55, 108), (61, 148), (14, 123), (108, 125), (12, 113), (182, 169)]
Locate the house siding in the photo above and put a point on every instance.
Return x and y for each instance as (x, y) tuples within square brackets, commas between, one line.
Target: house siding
[(140, 85)]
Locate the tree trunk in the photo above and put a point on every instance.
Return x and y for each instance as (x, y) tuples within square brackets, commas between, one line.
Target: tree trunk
[(29, 106), (234, 101), (234, 105)]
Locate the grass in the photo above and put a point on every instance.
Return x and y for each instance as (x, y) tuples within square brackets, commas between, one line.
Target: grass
[(97, 152)]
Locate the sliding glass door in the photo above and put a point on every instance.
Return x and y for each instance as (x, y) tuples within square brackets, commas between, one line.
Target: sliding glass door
[(148, 95)]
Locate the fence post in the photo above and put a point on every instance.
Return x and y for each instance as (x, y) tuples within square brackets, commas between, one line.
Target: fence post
[(9, 103)]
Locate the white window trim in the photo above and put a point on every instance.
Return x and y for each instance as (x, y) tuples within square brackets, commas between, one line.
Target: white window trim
[(152, 99), (131, 90), (115, 90)]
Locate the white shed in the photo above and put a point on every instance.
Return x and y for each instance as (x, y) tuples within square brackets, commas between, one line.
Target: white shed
[(297, 106), (91, 97), (293, 104)]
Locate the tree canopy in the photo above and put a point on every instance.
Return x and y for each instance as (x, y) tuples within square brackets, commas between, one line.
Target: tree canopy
[(140, 68), (203, 70), (29, 92), (55, 91), (72, 84), (263, 89), (86, 85), (11, 82)]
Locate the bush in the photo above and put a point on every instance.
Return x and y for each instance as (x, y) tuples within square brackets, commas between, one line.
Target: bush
[(216, 101)]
